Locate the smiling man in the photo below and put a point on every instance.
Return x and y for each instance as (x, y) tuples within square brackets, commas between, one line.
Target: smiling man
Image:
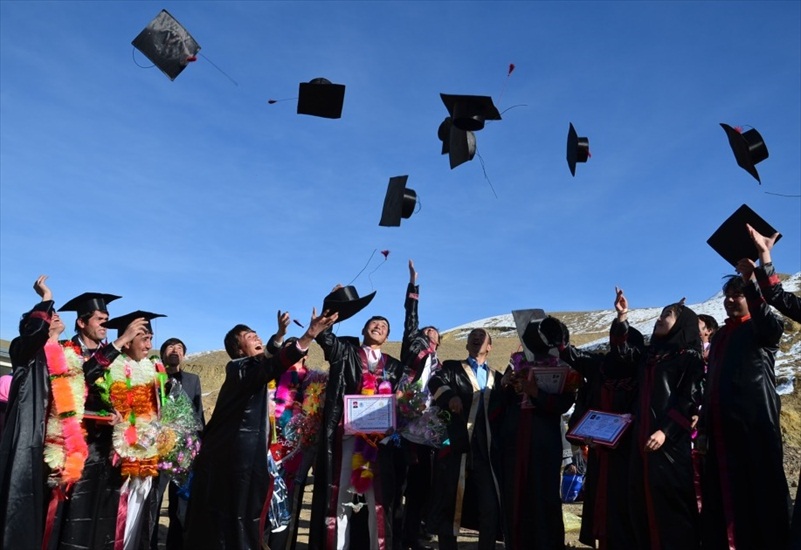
[(355, 369)]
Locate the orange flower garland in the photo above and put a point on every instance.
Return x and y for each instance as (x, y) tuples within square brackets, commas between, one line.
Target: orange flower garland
[(65, 450)]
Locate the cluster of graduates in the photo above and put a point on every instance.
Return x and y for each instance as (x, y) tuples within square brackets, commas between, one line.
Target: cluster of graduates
[(92, 430)]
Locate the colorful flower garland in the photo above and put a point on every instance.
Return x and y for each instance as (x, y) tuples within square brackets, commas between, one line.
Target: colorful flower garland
[(133, 391), (65, 449), (365, 448)]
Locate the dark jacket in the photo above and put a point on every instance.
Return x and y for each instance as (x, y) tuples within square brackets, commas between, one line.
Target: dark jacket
[(231, 486), (23, 475), (745, 494), (450, 506)]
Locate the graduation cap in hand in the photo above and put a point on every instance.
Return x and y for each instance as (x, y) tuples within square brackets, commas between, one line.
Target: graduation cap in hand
[(578, 149), (469, 112), (748, 147), (346, 301), (89, 302), (399, 202), (167, 44), (459, 145), (319, 97), (733, 242), (121, 323)]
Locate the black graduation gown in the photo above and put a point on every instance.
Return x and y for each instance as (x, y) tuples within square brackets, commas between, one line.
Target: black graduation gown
[(663, 507), (23, 474), (790, 305), (745, 494), (344, 377), (231, 488), (530, 443), (451, 505), (610, 386)]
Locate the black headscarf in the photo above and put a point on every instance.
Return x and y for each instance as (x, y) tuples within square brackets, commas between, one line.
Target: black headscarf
[(683, 335)]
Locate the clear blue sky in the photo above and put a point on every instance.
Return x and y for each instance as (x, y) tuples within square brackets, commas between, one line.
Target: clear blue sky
[(197, 199)]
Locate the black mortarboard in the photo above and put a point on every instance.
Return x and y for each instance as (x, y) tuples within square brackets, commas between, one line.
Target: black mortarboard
[(121, 323), (749, 148), (167, 44), (319, 97), (346, 301), (470, 111), (458, 144), (399, 202), (578, 149), (522, 318), (544, 335), (732, 241), (89, 302)]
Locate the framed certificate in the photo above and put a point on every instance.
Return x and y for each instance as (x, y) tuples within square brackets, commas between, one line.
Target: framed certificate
[(602, 428), (369, 414), (549, 379)]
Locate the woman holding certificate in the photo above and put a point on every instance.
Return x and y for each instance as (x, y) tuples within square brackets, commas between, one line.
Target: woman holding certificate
[(669, 372)]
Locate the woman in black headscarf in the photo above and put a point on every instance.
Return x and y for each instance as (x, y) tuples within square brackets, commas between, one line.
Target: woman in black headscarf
[(669, 372)]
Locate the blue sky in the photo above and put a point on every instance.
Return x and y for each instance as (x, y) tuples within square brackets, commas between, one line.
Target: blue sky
[(197, 199)]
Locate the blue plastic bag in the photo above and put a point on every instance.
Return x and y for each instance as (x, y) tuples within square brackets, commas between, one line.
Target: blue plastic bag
[(571, 487)]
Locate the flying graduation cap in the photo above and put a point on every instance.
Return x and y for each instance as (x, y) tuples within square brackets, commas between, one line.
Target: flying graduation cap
[(469, 112), (121, 323), (733, 242), (167, 44), (399, 202), (89, 302), (459, 145), (347, 302), (748, 147), (319, 97), (578, 149)]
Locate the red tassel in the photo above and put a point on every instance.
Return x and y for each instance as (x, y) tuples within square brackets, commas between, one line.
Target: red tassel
[(511, 69), (191, 59), (385, 253), (272, 101), (738, 129)]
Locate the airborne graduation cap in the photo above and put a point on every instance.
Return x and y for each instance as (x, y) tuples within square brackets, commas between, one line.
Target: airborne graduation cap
[(121, 323), (399, 202), (89, 302), (469, 112), (578, 149), (167, 44), (319, 97), (748, 147), (732, 241), (459, 145)]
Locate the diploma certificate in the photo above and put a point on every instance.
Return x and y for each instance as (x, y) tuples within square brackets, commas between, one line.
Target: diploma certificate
[(601, 428), (369, 414), (549, 379)]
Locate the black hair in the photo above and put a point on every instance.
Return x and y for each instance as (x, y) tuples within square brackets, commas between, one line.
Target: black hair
[(733, 284), (85, 318), (709, 322), (169, 342), (231, 341)]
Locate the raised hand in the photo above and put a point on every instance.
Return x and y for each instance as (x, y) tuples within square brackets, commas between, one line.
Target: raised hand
[(621, 303), (745, 268), (317, 325), (137, 327), (283, 323), (763, 244), (412, 273), (42, 289)]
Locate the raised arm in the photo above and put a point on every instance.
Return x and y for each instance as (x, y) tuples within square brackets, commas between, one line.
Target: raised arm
[(34, 328), (411, 321)]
